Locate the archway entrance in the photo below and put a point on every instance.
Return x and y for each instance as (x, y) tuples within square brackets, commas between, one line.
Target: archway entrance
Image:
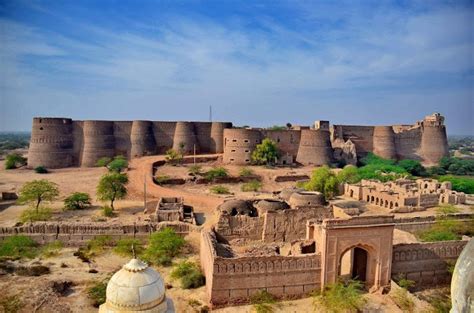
[(354, 264)]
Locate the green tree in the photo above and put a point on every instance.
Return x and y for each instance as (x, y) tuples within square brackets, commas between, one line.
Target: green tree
[(103, 162), (331, 187), (77, 201), (112, 187), (14, 160), (266, 152), (37, 191), (323, 180), (413, 167), (163, 246), (349, 174), (117, 164)]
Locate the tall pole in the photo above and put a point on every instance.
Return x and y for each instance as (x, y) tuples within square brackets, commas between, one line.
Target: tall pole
[(210, 113), (194, 154), (144, 193)]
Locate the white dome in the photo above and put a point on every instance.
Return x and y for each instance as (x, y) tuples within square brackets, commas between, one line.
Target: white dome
[(136, 287)]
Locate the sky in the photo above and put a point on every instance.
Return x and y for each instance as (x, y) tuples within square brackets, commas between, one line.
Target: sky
[(257, 63)]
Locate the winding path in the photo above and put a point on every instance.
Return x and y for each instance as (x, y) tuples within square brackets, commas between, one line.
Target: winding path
[(142, 168)]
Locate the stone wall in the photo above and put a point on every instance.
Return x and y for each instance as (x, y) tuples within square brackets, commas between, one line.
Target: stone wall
[(414, 224), (62, 142), (235, 280), (77, 234), (425, 263)]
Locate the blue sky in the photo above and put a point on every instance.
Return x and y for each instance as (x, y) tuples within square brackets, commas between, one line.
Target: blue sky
[(257, 63)]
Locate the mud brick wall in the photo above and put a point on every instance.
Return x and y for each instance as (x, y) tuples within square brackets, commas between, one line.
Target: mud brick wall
[(77, 234), (235, 280), (425, 263)]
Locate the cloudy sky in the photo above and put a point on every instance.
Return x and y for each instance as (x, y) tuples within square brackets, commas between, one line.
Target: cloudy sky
[(257, 63)]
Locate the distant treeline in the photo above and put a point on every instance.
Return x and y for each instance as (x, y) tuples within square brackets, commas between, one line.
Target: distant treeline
[(13, 140)]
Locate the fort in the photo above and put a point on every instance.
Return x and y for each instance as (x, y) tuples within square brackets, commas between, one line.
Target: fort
[(63, 142)]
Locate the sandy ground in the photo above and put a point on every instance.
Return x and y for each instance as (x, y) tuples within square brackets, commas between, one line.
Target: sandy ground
[(129, 210)]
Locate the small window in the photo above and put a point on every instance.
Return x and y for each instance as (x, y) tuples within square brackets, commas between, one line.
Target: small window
[(247, 150), (41, 128), (247, 161), (232, 160), (246, 140), (232, 151), (256, 141), (234, 140), (41, 120), (278, 139)]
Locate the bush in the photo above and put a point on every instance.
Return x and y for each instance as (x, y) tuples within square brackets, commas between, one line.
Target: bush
[(195, 170), (118, 164), (124, 247), (263, 302), (189, 274), (324, 181), (340, 297), (14, 160), (52, 249), (11, 304), (163, 246), (41, 169), (97, 292), (220, 190), (108, 211), (447, 209), (253, 185), (413, 167), (103, 162), (446, 229), (35, 215), (18, 246), (401, 297), (246, 172), (349, 174), (161, 179), (173, 157), (77, 201), (461, 184), (457, 166), (266, 152), (217, 172), (97, 246)]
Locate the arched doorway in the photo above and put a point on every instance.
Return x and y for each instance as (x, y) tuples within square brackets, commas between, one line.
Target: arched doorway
[(353, 264)]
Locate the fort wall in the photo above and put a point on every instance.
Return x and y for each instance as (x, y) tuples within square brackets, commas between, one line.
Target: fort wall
[(239, 144), (235, 280), (425, 263), (142, 139), (99, 141), (315, 148), (434, 144), (384, 142)]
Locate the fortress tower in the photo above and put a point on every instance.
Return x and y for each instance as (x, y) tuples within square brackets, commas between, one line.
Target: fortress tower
[(185, 138), (239, 144), (51, 143), (434, 141), (99, 142), (217, 136), (142, 139), (384, 142), (315, 147)]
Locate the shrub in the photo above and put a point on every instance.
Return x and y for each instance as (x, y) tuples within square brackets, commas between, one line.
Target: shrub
[(51, 249), (246, 172), (324, 181), (118, 164), (18, 246), (253, 185), (97, 292), (124, 247), (77, 201), (445, 229), (108, 211), (263, 302), (217, 172), (161, 179), (41, 169), (195, 170), (103, 162), (461, 184), (349, 174), (173, 157), (413, 167), (457, 166), (32, 215), (340, 297), (11, 304), (97, 246), (163, 246), (14, 160), (402, 299), (447, 209), (266, 152), (189, 274), (220, 190)]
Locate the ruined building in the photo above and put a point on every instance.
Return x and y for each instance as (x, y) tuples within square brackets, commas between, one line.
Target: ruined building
[(62, 142), (405, 195)]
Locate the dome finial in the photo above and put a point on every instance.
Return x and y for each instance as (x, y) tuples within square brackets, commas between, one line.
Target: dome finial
[(133, 251)]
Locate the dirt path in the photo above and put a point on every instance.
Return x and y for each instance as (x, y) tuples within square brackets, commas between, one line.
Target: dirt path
[(142, 168)]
